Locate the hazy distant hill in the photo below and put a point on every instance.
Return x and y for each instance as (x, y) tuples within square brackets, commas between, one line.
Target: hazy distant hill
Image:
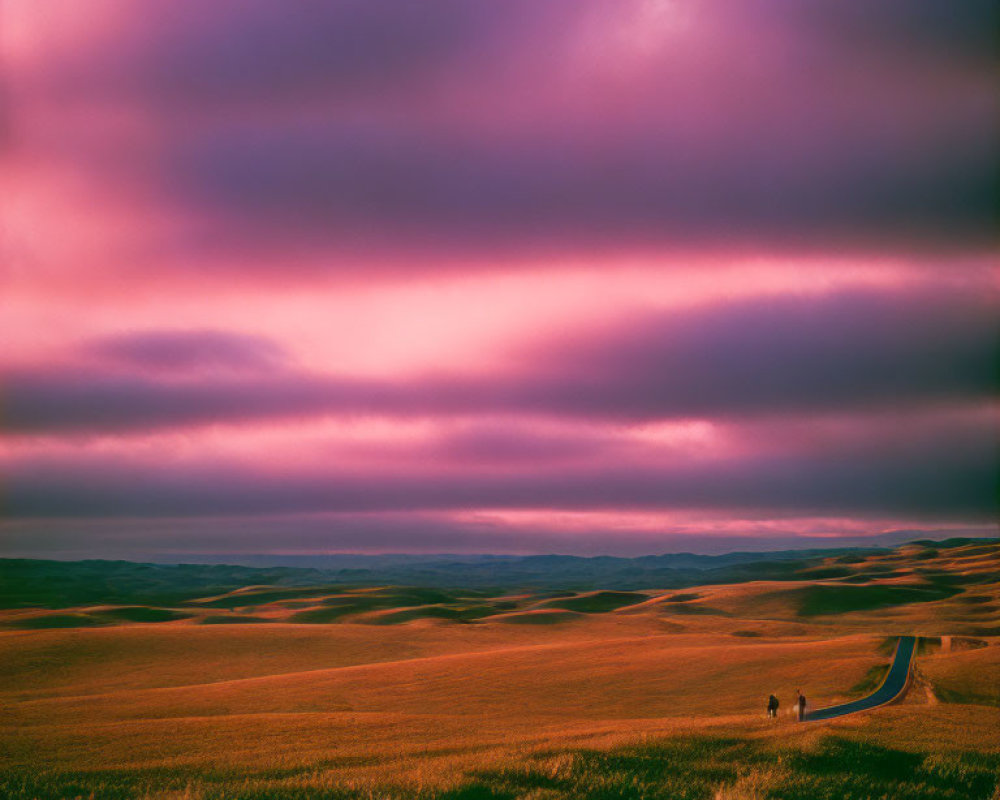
[(59, 584), (54, 584)]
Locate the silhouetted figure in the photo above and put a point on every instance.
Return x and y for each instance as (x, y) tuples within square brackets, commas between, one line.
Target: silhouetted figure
[(772, 706), (800, 704)]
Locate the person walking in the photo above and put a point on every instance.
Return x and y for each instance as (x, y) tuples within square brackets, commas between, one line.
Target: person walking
[(800, 703), (772, 707)]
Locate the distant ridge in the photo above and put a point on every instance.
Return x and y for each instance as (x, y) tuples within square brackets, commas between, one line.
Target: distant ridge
[(61, 583)]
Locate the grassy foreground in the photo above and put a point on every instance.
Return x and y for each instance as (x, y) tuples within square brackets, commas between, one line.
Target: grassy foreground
[(681, 768)]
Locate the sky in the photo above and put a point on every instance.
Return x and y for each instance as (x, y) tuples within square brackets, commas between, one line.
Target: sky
[(582, 276)]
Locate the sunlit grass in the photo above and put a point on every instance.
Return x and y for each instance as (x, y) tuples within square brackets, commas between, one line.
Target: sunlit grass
[(682, 768)]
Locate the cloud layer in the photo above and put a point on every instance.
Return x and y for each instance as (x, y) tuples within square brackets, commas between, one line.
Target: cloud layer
[(391, 137), (945, 473), (766, 356), (576, 268)]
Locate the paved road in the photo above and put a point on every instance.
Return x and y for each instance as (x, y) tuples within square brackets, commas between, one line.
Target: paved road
[(893, 685)]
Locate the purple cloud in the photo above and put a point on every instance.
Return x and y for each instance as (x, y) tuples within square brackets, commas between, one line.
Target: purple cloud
[(928, 470), (407, 134), (191, 350), (764, 356), (186, 55), (783, 354)]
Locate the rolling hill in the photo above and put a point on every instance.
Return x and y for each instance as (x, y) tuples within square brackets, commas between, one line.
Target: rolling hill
[(294, 686)]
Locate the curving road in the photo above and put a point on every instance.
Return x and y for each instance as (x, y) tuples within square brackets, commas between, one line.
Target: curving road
[(891, 688)]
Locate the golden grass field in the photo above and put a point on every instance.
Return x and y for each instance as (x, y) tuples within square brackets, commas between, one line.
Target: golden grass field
[(660, 694)]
